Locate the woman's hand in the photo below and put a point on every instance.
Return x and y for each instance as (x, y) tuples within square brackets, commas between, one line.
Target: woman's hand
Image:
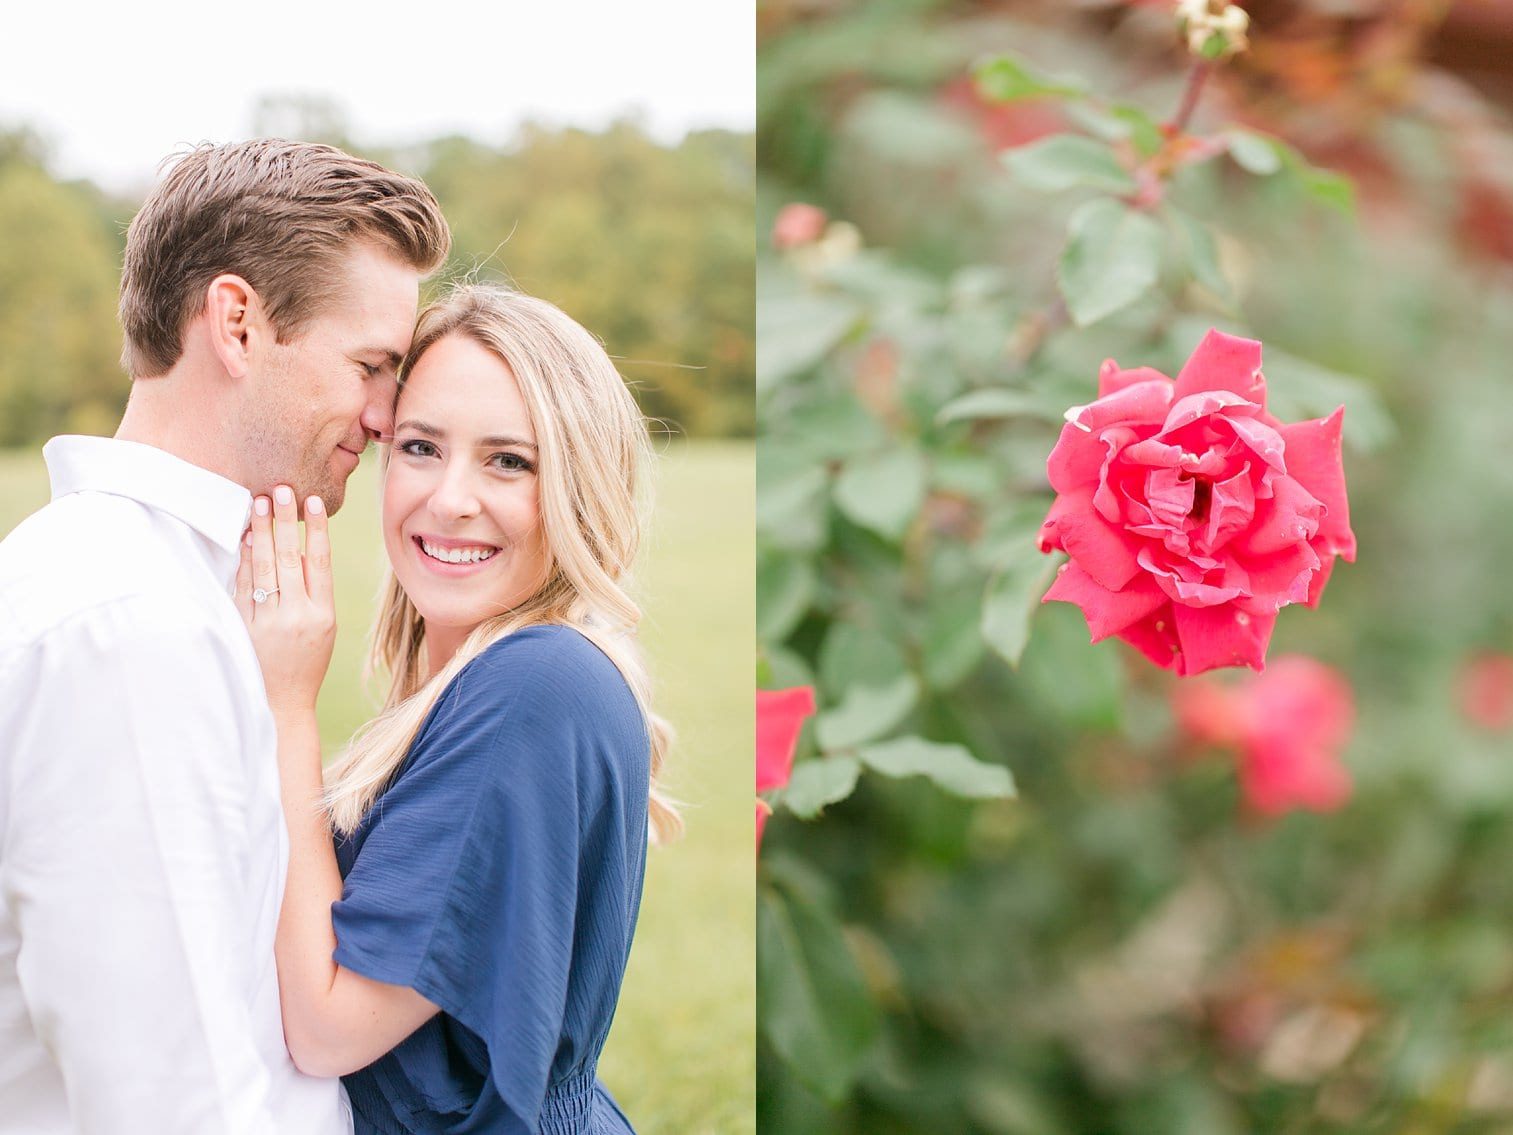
[(294, 626)]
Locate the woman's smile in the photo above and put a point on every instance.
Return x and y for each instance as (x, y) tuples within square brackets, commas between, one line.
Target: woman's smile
[(445, 554)]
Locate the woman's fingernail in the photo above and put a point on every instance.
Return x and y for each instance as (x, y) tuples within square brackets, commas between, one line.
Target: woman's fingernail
[(247, 538), (283, 494), (260, 506), (315, 505)]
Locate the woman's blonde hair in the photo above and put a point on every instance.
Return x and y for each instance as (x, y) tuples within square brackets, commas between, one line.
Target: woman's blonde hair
[(593, 456)]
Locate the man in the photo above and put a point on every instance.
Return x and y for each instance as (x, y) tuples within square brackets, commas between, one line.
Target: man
[(268, 295)]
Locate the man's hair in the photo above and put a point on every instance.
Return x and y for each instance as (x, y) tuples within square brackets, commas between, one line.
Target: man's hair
[(282, 215)]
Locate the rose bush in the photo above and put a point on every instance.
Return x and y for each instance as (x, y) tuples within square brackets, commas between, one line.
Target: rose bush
[(1190, 514)]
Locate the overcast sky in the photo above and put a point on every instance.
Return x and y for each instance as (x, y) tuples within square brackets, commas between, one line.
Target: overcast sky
[(114, 89)]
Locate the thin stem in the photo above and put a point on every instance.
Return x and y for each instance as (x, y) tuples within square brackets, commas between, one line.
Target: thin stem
[(1195, 80)]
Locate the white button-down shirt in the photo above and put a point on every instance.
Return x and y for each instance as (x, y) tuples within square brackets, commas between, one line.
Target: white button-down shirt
[(142, 846)]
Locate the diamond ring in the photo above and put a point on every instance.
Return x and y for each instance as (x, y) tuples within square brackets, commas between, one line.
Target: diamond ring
[(260, 594)]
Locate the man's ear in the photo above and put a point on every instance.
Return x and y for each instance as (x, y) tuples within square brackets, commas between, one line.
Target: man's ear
[(233, 310)]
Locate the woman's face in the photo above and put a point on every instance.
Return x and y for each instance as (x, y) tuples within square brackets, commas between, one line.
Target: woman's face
[(461, 511)]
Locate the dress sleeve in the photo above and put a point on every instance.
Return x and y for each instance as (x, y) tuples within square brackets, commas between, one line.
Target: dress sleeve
[(127, 870), (482, 874)]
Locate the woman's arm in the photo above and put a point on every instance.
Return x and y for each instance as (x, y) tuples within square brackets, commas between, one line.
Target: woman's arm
[(335, 1021)]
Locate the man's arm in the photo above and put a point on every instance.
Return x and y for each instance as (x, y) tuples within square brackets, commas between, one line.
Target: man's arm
[(131, 871)]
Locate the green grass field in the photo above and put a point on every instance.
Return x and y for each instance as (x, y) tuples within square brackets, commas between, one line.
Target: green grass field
[(681, 1055)]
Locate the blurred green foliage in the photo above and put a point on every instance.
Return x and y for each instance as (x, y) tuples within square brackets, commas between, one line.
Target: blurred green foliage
[(1122, 949), (647, 245)]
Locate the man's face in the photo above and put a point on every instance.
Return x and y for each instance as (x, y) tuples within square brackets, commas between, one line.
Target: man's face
[(329, 390)]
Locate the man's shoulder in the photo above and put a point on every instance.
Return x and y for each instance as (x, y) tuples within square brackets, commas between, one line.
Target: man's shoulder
[(85, 552)]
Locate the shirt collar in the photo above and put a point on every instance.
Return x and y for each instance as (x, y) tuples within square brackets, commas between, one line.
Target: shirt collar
[(218, 509)]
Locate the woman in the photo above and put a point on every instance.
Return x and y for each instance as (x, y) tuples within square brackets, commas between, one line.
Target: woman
[(476, 912)]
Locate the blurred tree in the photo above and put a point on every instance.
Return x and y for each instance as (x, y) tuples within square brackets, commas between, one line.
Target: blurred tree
[(650, 246), (59, 340)]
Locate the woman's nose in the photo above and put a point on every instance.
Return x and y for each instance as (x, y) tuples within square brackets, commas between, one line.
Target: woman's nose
[(455, 494)]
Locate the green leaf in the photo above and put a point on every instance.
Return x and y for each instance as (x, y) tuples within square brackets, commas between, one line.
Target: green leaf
[(883, 492), (818, 783), (1079, 687), (790, 498), (1118, 123), (866, 712), (782, 669), (1254, 152), (1329, 188), (785, 587), (795, 332), (859, 656), (995, 402), (1012, 600), (812, 1003), (953, 643), (1263, 155), (1069, 161), (1202, 253), (1004, 78), (1112, 258), (951, 767)]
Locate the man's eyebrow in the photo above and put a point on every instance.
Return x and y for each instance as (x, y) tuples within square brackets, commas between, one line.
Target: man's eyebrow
[(498, 441)]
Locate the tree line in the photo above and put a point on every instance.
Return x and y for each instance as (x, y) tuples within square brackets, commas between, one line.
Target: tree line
[(648, 245)]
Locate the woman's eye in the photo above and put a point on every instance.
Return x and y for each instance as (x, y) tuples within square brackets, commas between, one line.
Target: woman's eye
[(511, 462), (416, 447)]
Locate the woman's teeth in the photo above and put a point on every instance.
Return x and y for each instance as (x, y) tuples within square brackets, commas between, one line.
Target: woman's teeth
[(457, 555)]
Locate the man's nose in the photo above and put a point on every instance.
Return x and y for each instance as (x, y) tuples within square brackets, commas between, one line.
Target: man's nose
[(378, 413)]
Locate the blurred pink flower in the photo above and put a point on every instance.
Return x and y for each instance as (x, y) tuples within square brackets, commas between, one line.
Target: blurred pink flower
[(798, 224), (780, 717), (1486, 690), (1191, 514), (1289, 724)]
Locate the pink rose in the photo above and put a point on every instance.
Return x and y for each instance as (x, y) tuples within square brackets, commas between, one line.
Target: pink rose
[(1486, 690), (780, 717), (1289, 724), (1190, 514), (798, 224)]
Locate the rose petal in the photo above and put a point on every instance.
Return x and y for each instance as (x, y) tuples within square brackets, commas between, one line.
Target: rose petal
[(1202, 405), (780, 716), (1111, 378), (1211, 637), (1077, 459), (1315, 459), (1155, 636), (1185, 582), (1290, 516), (1317, 581), (1231, 509), (1224, 362), (1144, 403), (1107, 612), (1105, 552), (1284, 576)]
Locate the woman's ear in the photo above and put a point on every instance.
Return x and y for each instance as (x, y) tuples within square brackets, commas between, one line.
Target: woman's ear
[(233, 308)]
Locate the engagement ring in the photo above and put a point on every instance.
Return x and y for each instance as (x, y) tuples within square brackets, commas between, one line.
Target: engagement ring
[(260, 594)]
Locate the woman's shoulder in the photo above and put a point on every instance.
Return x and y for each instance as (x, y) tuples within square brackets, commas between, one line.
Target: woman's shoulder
[(546, 658), (548, 675)]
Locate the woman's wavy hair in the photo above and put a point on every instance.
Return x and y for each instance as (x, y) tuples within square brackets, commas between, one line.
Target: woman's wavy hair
[(593, 462)]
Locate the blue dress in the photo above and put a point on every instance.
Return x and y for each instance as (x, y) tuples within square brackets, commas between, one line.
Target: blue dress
[(500, 876)]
